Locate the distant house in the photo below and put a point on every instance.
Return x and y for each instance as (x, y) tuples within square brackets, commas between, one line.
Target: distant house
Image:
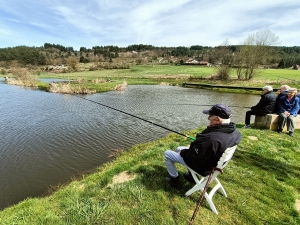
[(295, 67), (163, 61), (195, 62), (204, 63), (192, 61)]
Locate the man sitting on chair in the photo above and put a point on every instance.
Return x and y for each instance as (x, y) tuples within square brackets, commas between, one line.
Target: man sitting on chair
[(204, 153)]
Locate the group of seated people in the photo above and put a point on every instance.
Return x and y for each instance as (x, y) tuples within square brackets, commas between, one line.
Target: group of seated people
[(285, 104)]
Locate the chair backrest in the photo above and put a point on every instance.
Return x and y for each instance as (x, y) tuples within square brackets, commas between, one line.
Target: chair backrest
[(226, 157)]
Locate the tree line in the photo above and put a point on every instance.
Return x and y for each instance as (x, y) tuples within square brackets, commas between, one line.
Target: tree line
[(257, 49)]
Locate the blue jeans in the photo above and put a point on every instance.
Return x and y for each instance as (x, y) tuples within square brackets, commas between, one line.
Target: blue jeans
[(171, 157)]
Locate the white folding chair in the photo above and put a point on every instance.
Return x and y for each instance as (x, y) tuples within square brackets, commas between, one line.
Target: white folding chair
[(200, 183)]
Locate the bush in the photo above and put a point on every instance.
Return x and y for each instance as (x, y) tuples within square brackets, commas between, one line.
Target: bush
[(3, 71), (22, 77), (223, 72)]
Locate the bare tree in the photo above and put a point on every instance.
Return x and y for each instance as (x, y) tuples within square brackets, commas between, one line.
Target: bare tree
[(224, 56), (255, 51), (73, 63)]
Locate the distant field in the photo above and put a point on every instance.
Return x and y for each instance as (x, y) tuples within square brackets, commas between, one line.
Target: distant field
[(144, 71), (167, 70), (154, 74), (275, 74)]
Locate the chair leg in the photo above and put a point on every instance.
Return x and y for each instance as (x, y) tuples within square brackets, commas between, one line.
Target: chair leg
[(211, 204), (200, 184), (221, 187), (197, 187)]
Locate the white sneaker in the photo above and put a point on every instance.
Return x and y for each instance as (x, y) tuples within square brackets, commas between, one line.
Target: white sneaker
[(247, 126)]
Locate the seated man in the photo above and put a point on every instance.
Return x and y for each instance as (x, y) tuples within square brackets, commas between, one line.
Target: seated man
[(263, 107), (288, 109), (205, 152), (282, 91)]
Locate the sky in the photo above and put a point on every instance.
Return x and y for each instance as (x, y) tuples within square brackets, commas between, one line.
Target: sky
[(167, 23)]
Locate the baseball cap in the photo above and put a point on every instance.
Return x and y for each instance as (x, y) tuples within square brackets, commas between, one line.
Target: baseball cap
[(219, 110)]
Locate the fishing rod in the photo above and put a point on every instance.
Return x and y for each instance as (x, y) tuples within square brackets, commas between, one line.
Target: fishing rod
[(192, 138), (231, 106)]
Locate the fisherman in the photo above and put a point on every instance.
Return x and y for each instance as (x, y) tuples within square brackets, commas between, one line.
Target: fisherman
[(204, 153), (265, 105)]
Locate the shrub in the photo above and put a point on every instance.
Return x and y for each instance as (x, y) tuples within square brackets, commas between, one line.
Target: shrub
[(3, 71), (22, 77), (223, 72)]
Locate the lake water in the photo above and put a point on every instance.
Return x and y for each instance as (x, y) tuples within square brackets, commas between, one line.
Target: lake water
[(48, 138)]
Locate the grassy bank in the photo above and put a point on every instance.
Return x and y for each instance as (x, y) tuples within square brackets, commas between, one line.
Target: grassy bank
[(168, 75), (262, 183)]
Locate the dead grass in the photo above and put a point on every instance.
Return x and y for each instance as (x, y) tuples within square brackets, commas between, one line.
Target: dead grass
[(122, 177), (297, 205), (67, 88), (121, 87), (253, 138), (164, 84), (22, 78)]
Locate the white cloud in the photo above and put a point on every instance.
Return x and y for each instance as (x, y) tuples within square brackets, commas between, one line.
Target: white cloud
[(160, 23)]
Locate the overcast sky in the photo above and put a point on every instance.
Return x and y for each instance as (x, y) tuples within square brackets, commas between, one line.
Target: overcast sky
[(170, 23)]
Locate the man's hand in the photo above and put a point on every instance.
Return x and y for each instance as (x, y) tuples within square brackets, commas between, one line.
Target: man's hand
[(287, 113)]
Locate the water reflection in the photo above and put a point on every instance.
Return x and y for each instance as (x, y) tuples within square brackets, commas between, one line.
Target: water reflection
[(48, 138)]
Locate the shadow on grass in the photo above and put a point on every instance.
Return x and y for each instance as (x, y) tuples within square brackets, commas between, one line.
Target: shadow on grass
[(153, 177), (282, 171)]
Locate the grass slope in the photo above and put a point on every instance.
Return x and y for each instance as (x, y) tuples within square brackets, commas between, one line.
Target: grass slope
[(262, 183)]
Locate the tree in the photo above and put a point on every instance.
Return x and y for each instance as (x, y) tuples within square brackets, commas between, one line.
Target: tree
[(223, 55), (73, 62), (255, 50)]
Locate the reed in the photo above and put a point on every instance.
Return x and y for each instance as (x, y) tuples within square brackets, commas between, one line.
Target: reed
[(121, 87), (22, 77), (69, 88)]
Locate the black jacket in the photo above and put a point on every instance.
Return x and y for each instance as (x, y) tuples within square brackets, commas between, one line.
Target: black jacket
[(266, 103), (205, 152)]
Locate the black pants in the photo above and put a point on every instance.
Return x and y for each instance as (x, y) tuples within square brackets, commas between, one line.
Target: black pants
[(252, 112)]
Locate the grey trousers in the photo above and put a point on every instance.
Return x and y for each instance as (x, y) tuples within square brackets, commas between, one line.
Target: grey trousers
[(288, 120), (171, 157)]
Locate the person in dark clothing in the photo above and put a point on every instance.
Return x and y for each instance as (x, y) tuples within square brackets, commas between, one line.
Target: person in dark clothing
[(204, 153), (282, 91), (288, 109), (263, 107)]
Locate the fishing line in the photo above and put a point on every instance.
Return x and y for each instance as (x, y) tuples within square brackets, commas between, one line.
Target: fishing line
[(192, 138), (231, 106)]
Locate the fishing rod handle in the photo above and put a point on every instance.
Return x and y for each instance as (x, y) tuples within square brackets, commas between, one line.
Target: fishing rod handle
[(192, 138)]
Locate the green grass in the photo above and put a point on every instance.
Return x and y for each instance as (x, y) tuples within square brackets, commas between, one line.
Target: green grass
[(262, 183), (177, 75)]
